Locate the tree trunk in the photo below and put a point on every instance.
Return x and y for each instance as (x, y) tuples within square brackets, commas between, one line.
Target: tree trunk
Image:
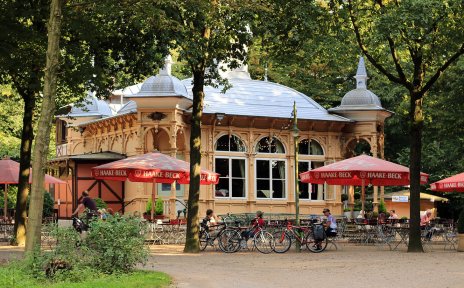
[(416, 122), (27, 136), (45, 123), (192, 243)]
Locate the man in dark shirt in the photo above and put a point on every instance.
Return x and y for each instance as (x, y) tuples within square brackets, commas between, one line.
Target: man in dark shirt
[(88, 203)]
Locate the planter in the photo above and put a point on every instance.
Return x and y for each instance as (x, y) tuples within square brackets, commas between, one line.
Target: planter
[(460, 242)]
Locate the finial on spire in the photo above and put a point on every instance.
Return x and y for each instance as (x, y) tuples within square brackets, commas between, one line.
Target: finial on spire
[(166, 70), (361, 75), (265, 73)]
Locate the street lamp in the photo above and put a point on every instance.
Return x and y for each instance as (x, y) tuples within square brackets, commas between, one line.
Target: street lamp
[(296, 135)]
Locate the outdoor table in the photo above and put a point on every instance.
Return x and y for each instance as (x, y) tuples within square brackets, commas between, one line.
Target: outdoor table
[(403, 233)]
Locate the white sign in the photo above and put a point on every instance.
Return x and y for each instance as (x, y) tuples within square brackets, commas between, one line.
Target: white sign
[(400, 199)]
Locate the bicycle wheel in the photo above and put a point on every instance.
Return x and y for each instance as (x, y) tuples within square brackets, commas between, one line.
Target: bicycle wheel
[(264, 242), (204, 239), (315, 246), (282, 242), (229, 241)]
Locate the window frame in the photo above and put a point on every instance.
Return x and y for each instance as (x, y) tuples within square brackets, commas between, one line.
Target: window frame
[(228, 151), (270, 153), (309, 147), (229, 158), (271, 178), (310, 187)]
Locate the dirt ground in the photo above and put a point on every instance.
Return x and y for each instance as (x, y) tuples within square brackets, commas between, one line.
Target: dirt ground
[(350, 266)]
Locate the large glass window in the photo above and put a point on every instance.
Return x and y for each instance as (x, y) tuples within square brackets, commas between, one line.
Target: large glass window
[(232, 180), (270, 179), (310, 191), (270, 145), (310, 147), (230, 143)]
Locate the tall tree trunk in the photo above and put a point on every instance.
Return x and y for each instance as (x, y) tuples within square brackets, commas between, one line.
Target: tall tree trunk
[(27, 136), (45, 123), (192, 243), (416, 125)]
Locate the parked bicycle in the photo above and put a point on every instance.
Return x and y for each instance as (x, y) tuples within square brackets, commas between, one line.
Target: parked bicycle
[(313, 236), (234, 238)]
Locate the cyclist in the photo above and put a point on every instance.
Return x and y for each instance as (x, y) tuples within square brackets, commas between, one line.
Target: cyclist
[(88, 203)]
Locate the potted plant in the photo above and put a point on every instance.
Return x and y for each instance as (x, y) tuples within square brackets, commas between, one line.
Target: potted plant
[(159, 208), (461, 231)]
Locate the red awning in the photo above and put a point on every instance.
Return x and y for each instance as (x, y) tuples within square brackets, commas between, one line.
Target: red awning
[(354, 170), (451, 184), (9, 174), (151, 167)]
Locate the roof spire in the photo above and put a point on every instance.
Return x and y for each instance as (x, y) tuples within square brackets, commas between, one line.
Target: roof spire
[(361, 75), (166, 70), (265, 73)]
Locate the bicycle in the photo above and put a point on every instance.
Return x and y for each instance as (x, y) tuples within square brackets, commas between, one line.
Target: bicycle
[(283, 239), (233, 238), (207, 239)]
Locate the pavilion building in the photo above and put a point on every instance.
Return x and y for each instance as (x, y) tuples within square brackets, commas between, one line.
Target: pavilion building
[(246, 137)]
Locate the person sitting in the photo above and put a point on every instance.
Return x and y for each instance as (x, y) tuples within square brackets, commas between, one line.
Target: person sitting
[(210, 220), (393, 215), (382, 218), (330, 225), (256, 223), (425, 224)]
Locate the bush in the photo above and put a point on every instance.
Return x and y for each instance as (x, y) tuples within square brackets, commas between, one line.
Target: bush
[(159, 210), (116, 244), (100, 203), (461, 222), (382, 208), (357, 195), (344, 197)]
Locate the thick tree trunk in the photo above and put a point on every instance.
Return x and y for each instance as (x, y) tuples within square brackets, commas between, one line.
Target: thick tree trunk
[(27, 136), (192, 243), (45, 123), (416, 125)]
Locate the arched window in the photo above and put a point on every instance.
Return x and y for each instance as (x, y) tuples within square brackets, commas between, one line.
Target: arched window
[(232, 169), (310, 147), (230, 143), (270, 145)]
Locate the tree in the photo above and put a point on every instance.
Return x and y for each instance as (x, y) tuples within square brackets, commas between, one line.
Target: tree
[(105, 44), (412, 43), (46, 117), (207, 33)]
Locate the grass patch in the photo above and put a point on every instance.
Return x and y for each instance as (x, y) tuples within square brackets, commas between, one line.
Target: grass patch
[(13, 276)]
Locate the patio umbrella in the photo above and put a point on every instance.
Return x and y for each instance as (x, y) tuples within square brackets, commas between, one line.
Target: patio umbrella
[(151, 167), (361, 171), (451, 184), (9, 174)]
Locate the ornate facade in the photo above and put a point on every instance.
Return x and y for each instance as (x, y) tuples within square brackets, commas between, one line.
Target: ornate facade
[(246, 137)]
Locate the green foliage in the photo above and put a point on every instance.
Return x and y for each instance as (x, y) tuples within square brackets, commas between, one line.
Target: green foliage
[(357, 195), (112, 246), (382, 208), (48, 204), (461, 222), (12, 191), (148, 206), (116, 244), (344, 197), (100, 203), (159, 210)]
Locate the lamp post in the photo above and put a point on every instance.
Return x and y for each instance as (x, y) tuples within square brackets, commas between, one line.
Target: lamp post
[(296, 135)]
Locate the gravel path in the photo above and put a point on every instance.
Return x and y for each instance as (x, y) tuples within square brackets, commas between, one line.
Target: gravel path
[(351, 266)]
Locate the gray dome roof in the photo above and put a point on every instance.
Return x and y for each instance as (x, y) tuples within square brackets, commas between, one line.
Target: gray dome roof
[(129, 107), (360, 96), (162, 85), (91, 106)]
